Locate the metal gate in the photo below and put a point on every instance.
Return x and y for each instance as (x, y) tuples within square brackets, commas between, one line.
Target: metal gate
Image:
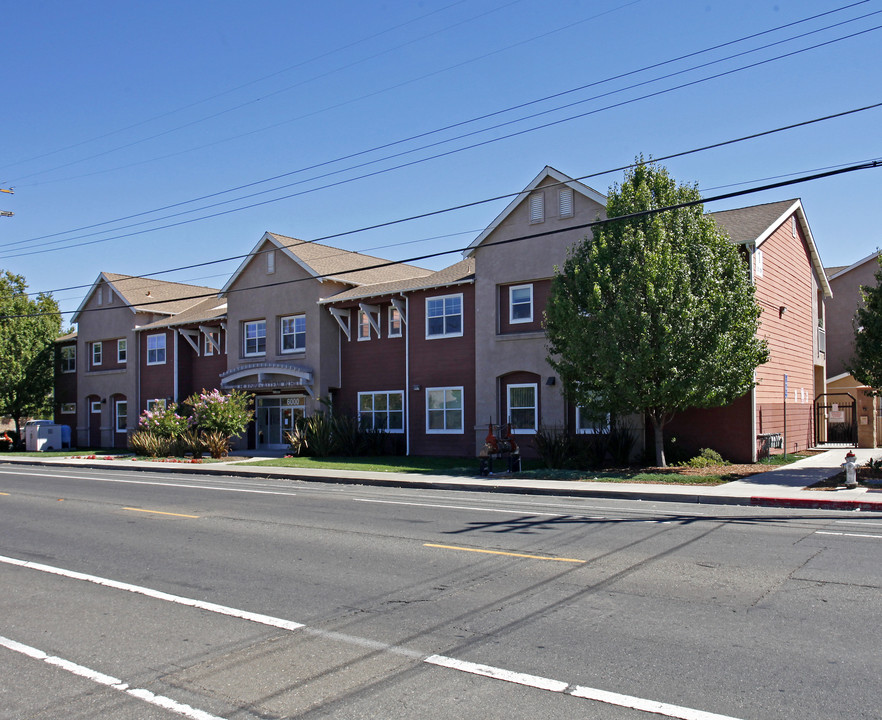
[(836, 419)]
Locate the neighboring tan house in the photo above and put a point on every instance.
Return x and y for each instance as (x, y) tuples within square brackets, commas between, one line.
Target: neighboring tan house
[(107, 350), (791, 288), (842, 388), (282, 345), (65, 397)]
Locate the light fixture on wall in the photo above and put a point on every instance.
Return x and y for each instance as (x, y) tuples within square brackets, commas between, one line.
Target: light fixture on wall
[(417, 387), (551, 381), (782, 310)]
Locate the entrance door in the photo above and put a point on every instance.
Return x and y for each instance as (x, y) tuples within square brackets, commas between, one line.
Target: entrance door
[(94, 422), (275, 417)]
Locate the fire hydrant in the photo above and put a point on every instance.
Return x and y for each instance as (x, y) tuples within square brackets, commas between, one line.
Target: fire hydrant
[(850, 471)]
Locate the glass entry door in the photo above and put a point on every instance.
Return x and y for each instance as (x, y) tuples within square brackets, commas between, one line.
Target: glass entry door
[(275, 416)]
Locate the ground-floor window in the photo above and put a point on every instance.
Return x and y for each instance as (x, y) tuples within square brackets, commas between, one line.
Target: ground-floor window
[(68, 408), (444, 410), (523, 411), (590, 422), (122, 412), (382, 410)]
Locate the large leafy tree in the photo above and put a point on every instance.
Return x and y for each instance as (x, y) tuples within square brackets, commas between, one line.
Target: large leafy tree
[(656, 313), (866, 365), (28, 328)]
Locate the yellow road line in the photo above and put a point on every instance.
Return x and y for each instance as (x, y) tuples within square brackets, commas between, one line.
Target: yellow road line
[(157, 512), (498, 552), (4, 493)]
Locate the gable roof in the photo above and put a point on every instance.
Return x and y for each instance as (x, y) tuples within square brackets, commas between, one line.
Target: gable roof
[(753, 225), (456, 274), (210, 309), (324, 262), (547, 172), (834, 272), (142, 294)]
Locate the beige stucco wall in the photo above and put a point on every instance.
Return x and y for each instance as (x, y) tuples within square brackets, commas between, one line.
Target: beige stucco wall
[(526, 261), (840, 312), (293, 291)]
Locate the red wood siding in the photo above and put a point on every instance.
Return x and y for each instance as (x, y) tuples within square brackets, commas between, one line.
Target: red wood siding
[(726, 430), (541, 291), (157, 381), (786, 282)]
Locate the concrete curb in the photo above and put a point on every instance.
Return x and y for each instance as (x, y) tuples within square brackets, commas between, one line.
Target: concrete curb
[(658, 493)]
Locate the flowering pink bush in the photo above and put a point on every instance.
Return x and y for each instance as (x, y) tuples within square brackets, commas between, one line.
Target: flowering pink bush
[(215, 412), (163, 422)]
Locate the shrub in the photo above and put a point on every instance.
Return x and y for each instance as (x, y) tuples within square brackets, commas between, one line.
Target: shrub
[(190, 442), (350, 438), (215, 412), (145, 442), (620, 443), (555, 447), (313, 436), (705, 458), (216, 443), (164, 422)]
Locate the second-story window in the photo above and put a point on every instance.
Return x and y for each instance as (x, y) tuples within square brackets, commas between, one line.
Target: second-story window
[(293, 333), (255, 337), (97, 353), (69, 359), (156, 349), (212, 342), (537, 207), (394, 329), (444, 316), (520, 306), (121, 350), (364, 326)]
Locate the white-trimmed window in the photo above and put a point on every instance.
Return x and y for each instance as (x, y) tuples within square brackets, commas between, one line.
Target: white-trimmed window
[(156, 349), (364, 326), (69, 359), (95, 407), (270, 262), (122, 412), (293, 333), (121, 350), (97, 353), (212, 335), (523, 407), (382, 411), (255, 337), (394, 327), (537, 207), (758, 263), (100, 294), (444, 410), (565, 202), (69, 408), (156, 404), (444, 316), (520, 304), (590, 422)]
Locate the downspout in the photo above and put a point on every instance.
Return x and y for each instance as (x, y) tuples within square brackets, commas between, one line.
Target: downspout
[(174, 332), (753, 453), (407, 375)]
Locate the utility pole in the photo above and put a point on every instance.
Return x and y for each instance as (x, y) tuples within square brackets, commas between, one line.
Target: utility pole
[(7, 213)]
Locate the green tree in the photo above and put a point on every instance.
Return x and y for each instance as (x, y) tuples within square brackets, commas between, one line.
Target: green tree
[(866, 365), (28, 328), (656, 314)]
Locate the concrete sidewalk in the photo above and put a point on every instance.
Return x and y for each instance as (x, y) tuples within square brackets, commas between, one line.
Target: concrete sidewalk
[(781, 487)]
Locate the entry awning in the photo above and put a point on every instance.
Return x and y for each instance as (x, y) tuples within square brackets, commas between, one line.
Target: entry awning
[(267, 376)]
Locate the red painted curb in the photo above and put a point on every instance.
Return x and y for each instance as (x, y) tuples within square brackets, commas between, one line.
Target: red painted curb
[(817, 504)]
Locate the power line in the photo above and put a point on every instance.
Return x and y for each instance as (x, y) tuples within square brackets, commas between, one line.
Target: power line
[(448, 140), (866, 165)]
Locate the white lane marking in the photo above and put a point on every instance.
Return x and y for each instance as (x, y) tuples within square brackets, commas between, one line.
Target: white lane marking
[(158, 595), (844, 534), (102, 679), (543, 683), (857, 522), (161, 484), (477, 509), (535, 681)]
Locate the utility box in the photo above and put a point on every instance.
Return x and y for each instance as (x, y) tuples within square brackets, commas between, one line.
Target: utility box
[(42, 435)]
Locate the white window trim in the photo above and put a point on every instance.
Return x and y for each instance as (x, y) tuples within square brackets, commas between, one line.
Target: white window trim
[(270, 262), (256, 353), (116, 416), (73, 359), (120, 351), (156, 349), (587, 431), (390, 327), (758, 263), (362, 319), (95, 407), (523, 431), (446, 431), (566, 196), (282, 334), (461, 317), (511, 318), (206, 338), (99, 347), (387, 393), (536, 207), (156, 403), (69, 408)]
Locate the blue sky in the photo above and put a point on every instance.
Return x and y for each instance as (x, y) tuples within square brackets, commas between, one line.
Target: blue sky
[(112, 110)]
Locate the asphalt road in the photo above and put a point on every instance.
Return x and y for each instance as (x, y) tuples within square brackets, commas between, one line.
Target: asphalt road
[(142, 595)]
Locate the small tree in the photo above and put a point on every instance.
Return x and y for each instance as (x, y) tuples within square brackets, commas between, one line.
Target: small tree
[(656, 313), (28, 328), (163, 422), (866, 365), (220, 417)]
